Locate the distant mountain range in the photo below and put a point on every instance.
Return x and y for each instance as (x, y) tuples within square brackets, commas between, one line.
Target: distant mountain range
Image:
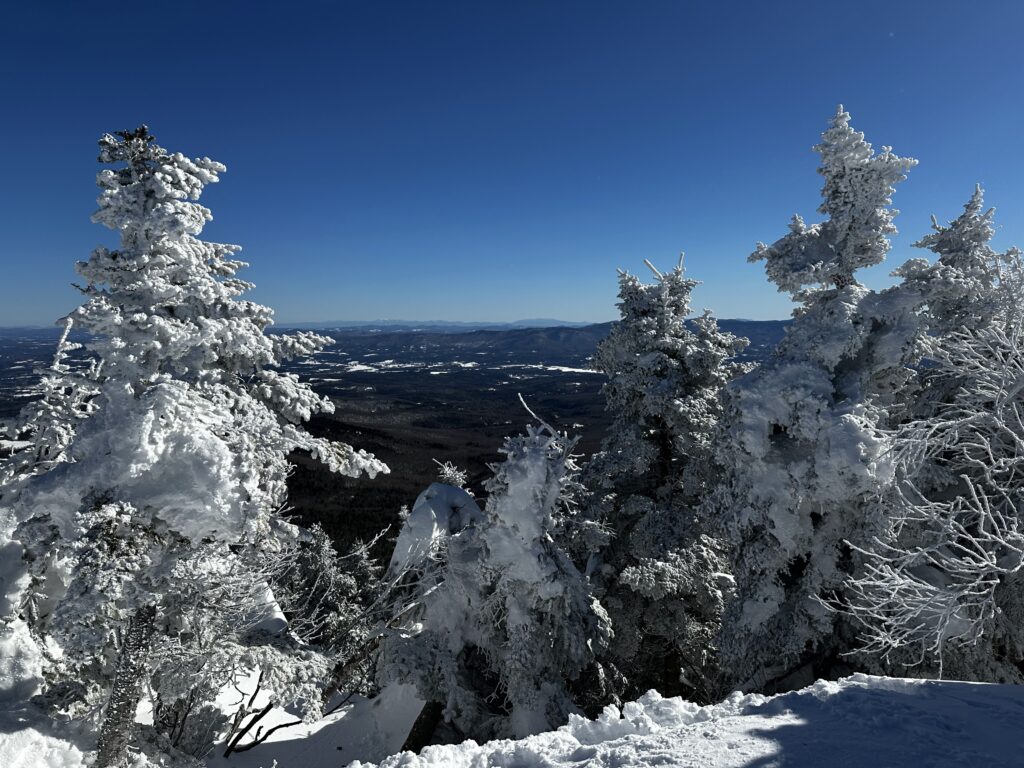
[(439, 325)]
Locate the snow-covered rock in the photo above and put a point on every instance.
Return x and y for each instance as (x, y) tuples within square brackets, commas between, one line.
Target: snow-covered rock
[(439, 511)]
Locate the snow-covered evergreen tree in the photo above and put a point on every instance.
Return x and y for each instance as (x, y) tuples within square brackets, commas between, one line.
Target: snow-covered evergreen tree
[(658, 572), (42, 432), (499, 623), (170, 489), (47, 425), (962, 288), (966, 287), (802, 448), (332, 602)]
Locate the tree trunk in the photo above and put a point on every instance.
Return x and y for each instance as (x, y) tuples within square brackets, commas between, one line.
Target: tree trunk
[(665, 456), (423, 729), (119, 718)]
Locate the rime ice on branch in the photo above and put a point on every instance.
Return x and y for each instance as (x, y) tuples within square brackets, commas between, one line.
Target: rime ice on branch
[(942, 588)]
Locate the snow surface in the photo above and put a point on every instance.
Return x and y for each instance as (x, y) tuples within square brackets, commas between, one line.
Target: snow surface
[(859, 721), (366, 729), (29, 742)]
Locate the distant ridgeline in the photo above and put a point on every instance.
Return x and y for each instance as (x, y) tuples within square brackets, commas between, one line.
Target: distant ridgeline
[(406, 347)]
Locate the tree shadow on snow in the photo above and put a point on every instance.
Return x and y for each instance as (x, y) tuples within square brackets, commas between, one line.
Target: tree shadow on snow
[(889, 722)]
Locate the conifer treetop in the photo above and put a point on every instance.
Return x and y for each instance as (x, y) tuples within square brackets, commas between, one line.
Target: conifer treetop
[(188, 370), (164, 303), (856, 198), (969, 283), (663, 375)]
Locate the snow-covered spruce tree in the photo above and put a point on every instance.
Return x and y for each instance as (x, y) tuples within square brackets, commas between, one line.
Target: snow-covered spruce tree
[(966, 287), (47, 425), (963, 287), (499, 623), (332, 602), (658, 573), (169, 494), (801, 446), (42, 431)]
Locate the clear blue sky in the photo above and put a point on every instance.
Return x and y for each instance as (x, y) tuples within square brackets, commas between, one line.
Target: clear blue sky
[(497, 160)]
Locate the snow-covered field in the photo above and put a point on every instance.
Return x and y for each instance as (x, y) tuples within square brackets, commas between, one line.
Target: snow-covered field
[(864, 721)]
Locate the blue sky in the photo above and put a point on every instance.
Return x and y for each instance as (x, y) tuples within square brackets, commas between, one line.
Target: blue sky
[(498, 160)]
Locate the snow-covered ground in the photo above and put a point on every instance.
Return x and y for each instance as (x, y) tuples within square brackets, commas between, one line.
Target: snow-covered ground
[(859, 721), (26, 741), (367, 730), (864, 721)]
